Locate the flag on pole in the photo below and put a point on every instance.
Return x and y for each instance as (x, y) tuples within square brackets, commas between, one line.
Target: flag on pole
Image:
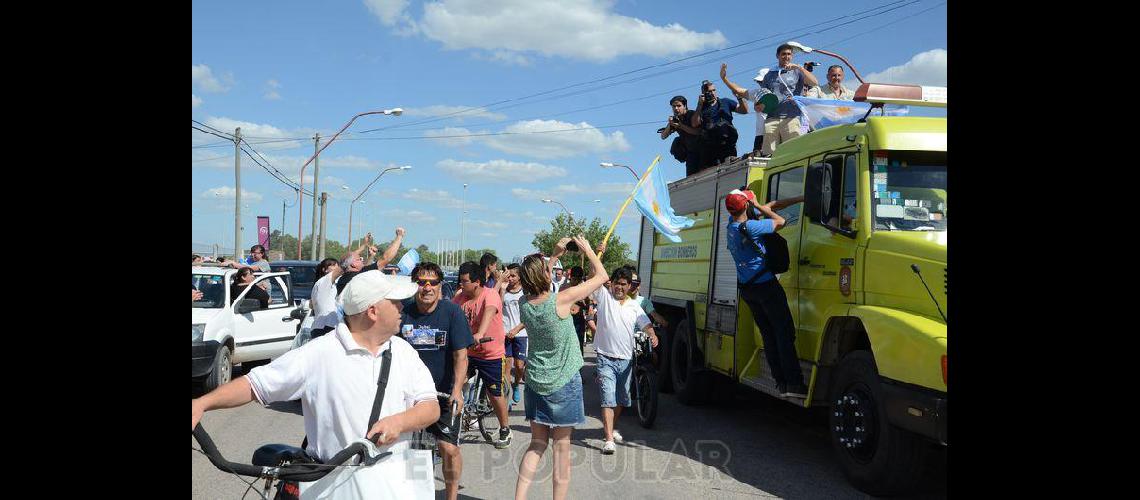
[(652, 198)]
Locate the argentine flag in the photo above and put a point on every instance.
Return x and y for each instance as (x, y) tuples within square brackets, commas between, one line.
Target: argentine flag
[(820, 113), (652, 198), (408, 262)]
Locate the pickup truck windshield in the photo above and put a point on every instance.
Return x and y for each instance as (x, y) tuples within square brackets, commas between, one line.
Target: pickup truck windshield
[(213, 290), (908, 190)]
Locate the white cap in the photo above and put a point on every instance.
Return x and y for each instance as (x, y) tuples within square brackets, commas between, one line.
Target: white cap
[(760, 76), (557, 264), (370, 287)]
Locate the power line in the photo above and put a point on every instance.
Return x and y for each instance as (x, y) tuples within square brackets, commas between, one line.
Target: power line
[(488, 106), (497, 133)]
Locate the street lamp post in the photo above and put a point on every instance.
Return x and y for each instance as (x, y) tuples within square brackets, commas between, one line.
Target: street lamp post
[(301, 180), (463, 224), (606, 164), (361, 195)]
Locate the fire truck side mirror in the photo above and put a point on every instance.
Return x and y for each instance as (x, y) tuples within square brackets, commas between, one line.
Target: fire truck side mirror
[(817, 192)]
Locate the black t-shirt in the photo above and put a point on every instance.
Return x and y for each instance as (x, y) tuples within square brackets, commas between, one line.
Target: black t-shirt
[(257, 293), (436, 336), (691, 140)]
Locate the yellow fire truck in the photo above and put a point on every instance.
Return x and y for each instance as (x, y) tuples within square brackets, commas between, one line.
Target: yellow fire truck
[(867, 247)]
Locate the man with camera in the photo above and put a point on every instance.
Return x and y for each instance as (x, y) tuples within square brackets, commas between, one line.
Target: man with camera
[(687, 146), (759, 287), (785, 81), (714, 117)]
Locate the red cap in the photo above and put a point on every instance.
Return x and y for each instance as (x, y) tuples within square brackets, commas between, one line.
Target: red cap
[(737, 200)]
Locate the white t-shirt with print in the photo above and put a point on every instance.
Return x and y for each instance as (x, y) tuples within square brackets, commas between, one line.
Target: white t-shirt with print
[(335, 379), (511, 312), (616, 323)]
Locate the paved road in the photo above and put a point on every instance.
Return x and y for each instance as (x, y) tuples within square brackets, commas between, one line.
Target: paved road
[(756, 447)]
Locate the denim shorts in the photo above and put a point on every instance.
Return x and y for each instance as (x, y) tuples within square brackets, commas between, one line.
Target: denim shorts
[(561, 408), (613, 380)]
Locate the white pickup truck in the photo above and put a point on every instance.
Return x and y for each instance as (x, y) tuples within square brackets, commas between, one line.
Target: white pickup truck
[(230, 330)]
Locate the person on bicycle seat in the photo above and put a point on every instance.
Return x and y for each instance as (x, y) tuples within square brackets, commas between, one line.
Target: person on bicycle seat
[(618, 317), (484, 311), (439, 332), (335, 376)]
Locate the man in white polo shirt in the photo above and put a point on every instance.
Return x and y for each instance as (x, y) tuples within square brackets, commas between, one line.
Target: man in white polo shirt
[(335, 376)]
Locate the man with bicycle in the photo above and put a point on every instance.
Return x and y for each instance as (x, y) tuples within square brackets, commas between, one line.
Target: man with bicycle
[(618, 317), (335, 376), (439, 332)]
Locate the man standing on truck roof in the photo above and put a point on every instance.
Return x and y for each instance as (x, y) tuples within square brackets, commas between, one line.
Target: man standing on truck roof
[(760, 289), (786, 81)]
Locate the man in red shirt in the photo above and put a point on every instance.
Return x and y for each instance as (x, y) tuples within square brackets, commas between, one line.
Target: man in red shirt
[(484, 311)]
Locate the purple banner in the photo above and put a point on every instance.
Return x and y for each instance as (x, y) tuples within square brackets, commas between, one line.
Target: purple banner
[(263, 231)]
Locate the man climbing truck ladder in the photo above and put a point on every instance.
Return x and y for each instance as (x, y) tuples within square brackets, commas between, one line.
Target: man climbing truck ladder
[(866, 245)]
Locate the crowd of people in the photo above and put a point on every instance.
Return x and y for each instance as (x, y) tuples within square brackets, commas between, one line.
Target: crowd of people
[(706, 135), (515, 327)]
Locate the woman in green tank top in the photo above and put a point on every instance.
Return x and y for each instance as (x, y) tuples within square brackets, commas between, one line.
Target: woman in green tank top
[(553, 395)]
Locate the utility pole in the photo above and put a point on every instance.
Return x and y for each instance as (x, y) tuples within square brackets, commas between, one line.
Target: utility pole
[(462, 223), (324, 201), (316, 178), (237, 193)]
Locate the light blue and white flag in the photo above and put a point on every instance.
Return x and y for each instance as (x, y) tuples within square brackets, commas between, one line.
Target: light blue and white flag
[(820, 113), (652, 198), (408, 262)]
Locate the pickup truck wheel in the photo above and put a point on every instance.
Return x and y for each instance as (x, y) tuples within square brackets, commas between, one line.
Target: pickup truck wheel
[(690, 382), (878, 458), (223, 369)]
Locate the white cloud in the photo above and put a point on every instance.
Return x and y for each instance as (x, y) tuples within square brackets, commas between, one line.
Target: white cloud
[(388, 11), (458, 112), (271, 93), (444, 134), (597, 189), (255, 132), (501, 170), (583, 29), (399, 216), (440, 199), (195, 101), (489, 235), (483, 223), (531, 194), (203, 78), (580, 138), (228, 193), (926, 68)]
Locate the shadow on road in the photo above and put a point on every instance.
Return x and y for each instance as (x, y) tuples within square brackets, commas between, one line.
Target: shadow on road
[(755, 439)]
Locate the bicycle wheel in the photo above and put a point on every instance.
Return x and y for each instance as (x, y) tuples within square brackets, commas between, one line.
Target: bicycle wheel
[(485, 409), (645, 377)]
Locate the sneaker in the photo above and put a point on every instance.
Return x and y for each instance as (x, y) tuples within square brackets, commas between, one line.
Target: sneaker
[(617, 436), (516, 393), (796, 391), (504, 438), (609, 448)]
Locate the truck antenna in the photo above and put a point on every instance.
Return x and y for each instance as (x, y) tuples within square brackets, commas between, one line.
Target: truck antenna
[(914, 267)]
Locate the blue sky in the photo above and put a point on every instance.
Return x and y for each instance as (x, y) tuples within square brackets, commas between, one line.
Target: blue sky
[(289, 69)]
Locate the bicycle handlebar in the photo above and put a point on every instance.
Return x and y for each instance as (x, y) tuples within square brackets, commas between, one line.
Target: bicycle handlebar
[(293, 472)]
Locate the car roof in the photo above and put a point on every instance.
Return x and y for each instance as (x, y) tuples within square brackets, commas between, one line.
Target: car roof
[(294, 263), (216, 270)]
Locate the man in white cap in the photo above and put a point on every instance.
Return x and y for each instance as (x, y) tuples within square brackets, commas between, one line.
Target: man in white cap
[(336, 376), (559, 277)]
